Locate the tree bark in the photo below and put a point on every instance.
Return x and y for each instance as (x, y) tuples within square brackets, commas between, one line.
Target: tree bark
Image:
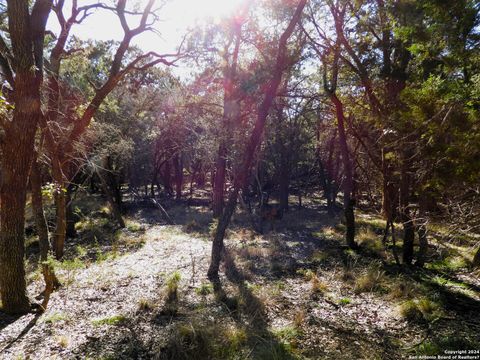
[(71, 217), (15, 166), (348, 199), (27, 32), (219, 181)]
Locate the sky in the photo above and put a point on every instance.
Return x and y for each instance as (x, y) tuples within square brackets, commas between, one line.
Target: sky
[(175, 18)]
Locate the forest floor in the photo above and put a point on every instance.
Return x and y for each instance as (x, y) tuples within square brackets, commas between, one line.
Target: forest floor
[(294, 292)]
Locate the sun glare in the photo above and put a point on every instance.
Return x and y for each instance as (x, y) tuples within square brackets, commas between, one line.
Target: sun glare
[(198, 10), (176, 17)]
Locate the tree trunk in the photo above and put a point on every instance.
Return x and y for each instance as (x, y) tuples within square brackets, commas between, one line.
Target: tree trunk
[(17, 150), (284, 185), (476, 259), (51, 281), (423, 241), (167, 179), (61, 220), (178, 176), (26, 32), (219, 181), (348, 199), (407, 221), (117, 214), (71, 217), (327, 189), (242, 175)]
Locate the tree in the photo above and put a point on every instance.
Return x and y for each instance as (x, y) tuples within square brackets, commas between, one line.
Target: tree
[(22, 68), (279, 67)]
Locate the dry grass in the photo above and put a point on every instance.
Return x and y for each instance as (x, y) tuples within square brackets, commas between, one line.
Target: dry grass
[(402, 289), (317, 286), (145, 305), (420, 309), (63, 341), (371, 280)]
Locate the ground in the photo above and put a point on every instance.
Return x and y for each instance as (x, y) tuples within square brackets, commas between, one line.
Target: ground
[(294, 292)]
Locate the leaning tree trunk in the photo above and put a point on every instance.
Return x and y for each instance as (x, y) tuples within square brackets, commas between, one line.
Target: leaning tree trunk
[(242, 175)]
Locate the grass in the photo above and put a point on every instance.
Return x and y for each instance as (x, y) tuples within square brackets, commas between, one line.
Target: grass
[(317, 286), (371, 280), (204, 289), (288, 337), (206, 340), (55, 317), (306, 273), (449, 264), (299, 318), (63, 341), (318, 256), (112, 320), (422, 309), (68, 268), (402, 288), (344, 301), (171, 293), (438, 345), (367, 238), (134, 226), (172, 285), (145, 305)]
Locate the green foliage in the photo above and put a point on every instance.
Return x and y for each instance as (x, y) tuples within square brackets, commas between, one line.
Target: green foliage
[(114, 320), (344, 301), (55, 317), (204, 289)]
